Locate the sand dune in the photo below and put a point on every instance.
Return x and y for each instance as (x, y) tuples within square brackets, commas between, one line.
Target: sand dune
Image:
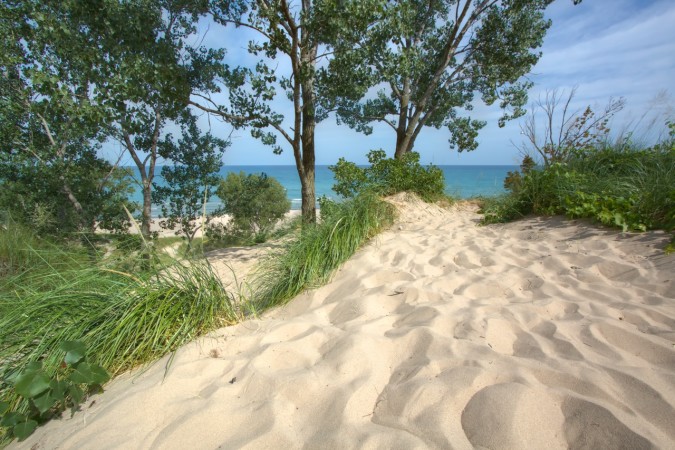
[(543, 333)]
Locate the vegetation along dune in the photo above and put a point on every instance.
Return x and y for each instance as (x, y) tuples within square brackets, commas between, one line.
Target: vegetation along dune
[(542, 333), (222, 225)]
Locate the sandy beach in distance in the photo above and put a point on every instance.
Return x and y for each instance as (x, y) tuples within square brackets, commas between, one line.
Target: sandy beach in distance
[(543, 333)]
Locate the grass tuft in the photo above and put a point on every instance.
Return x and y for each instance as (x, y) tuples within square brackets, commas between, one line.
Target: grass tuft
[(310, 259)]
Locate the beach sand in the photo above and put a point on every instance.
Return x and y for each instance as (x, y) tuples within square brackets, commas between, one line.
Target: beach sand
[(542, 333)]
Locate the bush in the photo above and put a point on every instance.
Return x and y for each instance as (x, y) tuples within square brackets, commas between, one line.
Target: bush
[(620, 186), (43, 396), (255, 202), (388, 176)]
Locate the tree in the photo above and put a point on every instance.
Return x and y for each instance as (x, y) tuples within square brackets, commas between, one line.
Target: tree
[(148, 80), (190, 181), (295, 31), (255, 202), (554, 134), (430, 59), (52, 127)]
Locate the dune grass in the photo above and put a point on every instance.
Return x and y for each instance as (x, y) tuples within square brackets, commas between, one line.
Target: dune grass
[(616, 185), (124, 319), (310, 259), (129, 317)]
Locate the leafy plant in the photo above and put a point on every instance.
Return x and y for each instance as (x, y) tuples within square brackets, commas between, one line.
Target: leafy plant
[(44, 397), (197, 160), (619, 186), (255, 202), (387, 176)]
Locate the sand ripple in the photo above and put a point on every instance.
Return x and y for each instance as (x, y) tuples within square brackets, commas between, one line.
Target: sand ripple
[(543, 333)]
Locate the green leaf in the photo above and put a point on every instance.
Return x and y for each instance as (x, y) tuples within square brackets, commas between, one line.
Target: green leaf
[(24, 429), (44, 402), (86, 373), (59, 389), (4, 407), (31, 383), (11, 419), (75, 352), (76, 394)]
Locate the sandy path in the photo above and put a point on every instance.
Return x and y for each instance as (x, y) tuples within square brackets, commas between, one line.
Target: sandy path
[(542, 333)]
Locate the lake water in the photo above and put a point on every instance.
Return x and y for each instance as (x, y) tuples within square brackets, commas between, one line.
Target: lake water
[(461, 181)]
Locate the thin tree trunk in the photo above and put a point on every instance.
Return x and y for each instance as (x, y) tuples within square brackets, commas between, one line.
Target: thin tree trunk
[(146, 216), (308, 51), (308, 153)]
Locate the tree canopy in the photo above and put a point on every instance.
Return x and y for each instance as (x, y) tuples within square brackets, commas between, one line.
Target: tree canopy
[(428, 61)]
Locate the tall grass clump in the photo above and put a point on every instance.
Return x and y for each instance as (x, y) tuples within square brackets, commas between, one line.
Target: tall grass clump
[(19, 248), (617, 185), (124, 319), (310, 259)]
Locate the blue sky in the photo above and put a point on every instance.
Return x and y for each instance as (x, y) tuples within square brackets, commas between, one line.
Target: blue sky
[(607, 48)]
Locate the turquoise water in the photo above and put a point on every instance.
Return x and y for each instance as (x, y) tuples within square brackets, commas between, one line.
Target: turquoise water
[(461, 181)]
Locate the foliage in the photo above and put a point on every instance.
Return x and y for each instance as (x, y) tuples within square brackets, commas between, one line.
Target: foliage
[(310, 258), (45, 396), (79, 74), (52, 127), (148, 80), (429, 60), (123, 319), (618, 186), (197, 160), (294, 32), (388, 176), (255, 202)]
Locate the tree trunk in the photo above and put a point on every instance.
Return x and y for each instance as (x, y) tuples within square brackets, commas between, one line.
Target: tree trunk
[(308, 155), (404, 132), (308, 196), (406, 136), (146, 216), (404, 144), (308, 51)]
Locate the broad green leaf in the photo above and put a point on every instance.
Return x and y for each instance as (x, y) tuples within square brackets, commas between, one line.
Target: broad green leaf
[(24, 429), (76, 394), (75, 352), (59, 389), (44, 401), (31, 384), (12, 418), (4, 407), (86, 373)]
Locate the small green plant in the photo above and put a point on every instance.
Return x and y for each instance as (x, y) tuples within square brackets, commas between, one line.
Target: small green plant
[(255, 202), (43, 397), (387, 176)]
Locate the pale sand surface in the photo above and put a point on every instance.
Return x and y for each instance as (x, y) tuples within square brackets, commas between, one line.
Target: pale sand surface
[(541, 334)]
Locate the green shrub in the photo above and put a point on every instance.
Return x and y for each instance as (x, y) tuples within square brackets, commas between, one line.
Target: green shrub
[(255, 202), (124, 319), (619, 186), (387, 176)]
